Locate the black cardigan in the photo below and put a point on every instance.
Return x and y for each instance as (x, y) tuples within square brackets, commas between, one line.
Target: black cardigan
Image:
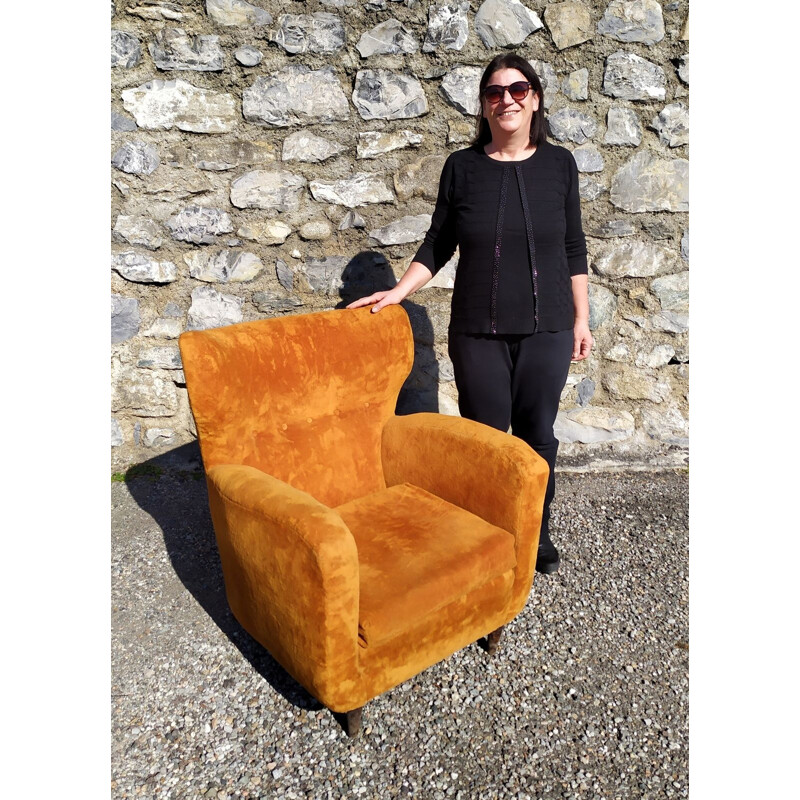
[(470, 211)]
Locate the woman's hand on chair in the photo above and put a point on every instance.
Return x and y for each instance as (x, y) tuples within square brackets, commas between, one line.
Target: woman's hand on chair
[(379, 299)]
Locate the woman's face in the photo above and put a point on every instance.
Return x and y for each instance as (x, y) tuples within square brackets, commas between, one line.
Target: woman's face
[(507, 116)]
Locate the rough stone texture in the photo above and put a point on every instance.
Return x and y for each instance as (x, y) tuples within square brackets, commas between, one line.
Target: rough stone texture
[(576, 85), (139, 230), (633, 21), (211, 309), (164, 328), (248, 56), (295, 95), (659, 356), (126, 51), (285, 275), (116, 433), (683, 68), (460, 89), (631, 77), (569, 23), (269, 92), (626, 383), (590, 189), (649, 183), (275, 190), (448, 27), (352, 219), (271, 304), (634, 259), (666, 425), (136, 158), (670, 322), (619, 352), (140, 268), (173, 48), (222, 156), (311, 149), (549, 79), (159, 357), (387, 38), (237, 13), (672, 292), (500, 23), (672, 125), (381, 94), (414, 179), (373, 144), (321, 32), (602, 305), (156, 438), (403, 231), (199, 224), (567, 124), (268, 231), (122, 122), (223, 266), (623, 127), (125, 319), (324, 275), (360, 189), (144, 393), (157, 10), (610, 228), (315, 230), (588, 158), (162, 105), (593, 424)]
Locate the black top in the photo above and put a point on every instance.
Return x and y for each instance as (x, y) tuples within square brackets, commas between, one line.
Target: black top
[(509, 219)]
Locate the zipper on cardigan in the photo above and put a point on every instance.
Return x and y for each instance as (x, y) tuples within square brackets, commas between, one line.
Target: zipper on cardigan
[(531, 244), (498, 243)]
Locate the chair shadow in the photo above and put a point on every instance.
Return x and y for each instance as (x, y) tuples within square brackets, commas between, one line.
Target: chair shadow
[(178, 501)]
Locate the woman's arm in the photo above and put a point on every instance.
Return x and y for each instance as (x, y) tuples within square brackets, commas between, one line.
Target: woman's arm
[(434, 252), (582, 336), (416, 276)]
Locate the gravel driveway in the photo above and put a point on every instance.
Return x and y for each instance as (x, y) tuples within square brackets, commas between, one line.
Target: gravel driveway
[(587, 696)]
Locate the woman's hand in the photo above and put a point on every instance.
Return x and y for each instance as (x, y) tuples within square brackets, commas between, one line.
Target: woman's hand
[(582, 340), (380, 299)]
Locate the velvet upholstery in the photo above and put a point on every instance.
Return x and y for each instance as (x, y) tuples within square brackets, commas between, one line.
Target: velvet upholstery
[(357, 546)]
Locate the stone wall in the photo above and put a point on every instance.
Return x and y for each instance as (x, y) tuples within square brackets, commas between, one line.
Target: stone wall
[(276, 158)]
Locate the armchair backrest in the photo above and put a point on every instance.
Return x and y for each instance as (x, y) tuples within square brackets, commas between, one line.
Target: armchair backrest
[(303, 398)]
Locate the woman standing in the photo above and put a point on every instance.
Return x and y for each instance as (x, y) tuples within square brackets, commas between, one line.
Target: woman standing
[(520, 307)]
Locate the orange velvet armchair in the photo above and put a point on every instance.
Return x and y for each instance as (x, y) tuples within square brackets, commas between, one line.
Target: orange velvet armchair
[(357, 546)]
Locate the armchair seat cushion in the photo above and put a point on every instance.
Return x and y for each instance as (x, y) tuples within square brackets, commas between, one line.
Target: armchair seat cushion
[(417, 553)]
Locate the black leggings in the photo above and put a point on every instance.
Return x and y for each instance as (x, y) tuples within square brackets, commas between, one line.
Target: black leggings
[(515, 380)]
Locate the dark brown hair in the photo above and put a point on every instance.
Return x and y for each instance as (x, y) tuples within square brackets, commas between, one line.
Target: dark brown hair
[(538, 134)]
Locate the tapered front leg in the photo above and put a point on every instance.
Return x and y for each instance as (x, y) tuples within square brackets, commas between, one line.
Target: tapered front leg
[(353, 722), (493, 640)]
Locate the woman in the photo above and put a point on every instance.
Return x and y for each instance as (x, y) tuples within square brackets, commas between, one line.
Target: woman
[(520, 307)]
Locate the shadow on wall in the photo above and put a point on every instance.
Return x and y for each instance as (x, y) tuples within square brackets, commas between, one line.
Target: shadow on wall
[(369, 272), (178, 501)]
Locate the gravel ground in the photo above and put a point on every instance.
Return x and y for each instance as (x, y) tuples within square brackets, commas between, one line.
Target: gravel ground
[(587, 696)]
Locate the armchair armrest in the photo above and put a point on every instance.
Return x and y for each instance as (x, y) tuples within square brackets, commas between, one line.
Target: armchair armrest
[(291, 573), (493, 475)]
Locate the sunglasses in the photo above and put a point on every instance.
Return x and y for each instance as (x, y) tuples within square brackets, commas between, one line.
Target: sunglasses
[(518, 91)]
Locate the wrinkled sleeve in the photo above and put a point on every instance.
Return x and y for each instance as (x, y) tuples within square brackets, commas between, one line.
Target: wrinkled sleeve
[(440, 240), (574, 240)]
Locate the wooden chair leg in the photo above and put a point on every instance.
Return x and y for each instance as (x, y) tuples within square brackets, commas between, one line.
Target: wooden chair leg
[(353, 722), (492, 640)]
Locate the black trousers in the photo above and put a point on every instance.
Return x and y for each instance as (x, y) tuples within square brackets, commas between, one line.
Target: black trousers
[(515, 380)]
